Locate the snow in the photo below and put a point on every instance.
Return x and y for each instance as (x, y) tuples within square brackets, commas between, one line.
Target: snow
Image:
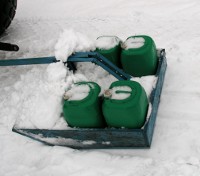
[(172, 24), (96, 74), (133, 42), (147, 82), (107, 42), (77, 92), (70, 42), (36, 97)]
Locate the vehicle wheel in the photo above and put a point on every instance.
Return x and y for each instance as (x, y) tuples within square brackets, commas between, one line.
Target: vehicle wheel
[(7, 13)]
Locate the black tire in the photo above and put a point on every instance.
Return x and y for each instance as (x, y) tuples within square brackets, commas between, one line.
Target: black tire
[(7, 13)]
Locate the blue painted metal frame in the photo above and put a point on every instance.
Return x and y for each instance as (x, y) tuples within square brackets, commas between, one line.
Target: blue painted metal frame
[(105, 138)]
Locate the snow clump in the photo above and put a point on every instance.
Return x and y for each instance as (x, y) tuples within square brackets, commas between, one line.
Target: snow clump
[(147, 82), (40, 90), (107, 42), (71, 41), (77, 92), (133, 42), (94, 73)]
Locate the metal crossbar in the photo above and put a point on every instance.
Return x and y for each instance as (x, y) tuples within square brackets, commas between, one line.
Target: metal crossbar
[(100, 60)]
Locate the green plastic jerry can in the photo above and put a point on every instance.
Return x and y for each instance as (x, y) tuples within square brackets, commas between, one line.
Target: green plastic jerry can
[(82, 106), (109, 47), (139, 56), (125, 105)]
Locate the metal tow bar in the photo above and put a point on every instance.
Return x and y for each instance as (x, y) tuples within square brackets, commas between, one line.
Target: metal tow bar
[(93, 57)]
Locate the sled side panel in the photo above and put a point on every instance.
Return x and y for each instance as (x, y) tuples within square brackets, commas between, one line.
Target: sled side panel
[(88, 139), (155, 99)]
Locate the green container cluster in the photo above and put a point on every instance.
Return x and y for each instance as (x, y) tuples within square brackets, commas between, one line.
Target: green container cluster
[(137, 55), (118, 108), (93, 111), (85, 113)]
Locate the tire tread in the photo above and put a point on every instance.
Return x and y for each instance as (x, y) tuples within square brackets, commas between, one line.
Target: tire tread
[(7, 13)]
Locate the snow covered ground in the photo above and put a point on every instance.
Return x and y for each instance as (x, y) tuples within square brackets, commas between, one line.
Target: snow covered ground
[(174, 25)]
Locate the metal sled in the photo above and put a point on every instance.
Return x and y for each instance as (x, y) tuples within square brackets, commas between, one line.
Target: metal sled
[(79, 138)]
